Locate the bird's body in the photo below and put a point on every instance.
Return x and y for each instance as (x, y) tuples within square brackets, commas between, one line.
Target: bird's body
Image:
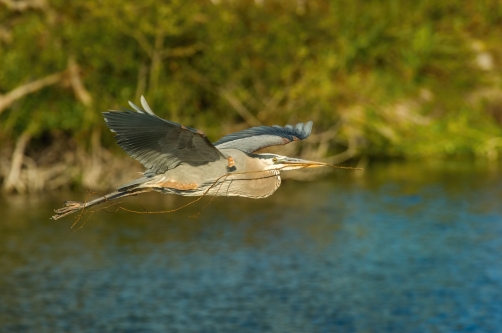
[(245, 178), (181, 160)]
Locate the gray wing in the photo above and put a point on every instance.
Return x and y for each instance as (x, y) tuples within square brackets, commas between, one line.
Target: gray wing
[(256, 138), (157, 143)]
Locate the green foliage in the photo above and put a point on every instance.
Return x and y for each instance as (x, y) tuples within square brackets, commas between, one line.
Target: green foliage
[(402, 78)]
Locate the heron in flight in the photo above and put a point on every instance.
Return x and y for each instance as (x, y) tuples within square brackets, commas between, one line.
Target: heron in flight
[(181, 160)]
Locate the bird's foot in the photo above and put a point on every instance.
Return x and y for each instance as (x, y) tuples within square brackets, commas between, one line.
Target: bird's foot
[(69, 207)]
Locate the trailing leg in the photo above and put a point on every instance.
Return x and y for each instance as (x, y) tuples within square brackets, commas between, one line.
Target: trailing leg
[(71, 207)]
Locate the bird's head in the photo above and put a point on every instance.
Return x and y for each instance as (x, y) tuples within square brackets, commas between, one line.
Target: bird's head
[(284, 163)]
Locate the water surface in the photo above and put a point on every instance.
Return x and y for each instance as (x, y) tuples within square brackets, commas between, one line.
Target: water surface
[(403, 248)]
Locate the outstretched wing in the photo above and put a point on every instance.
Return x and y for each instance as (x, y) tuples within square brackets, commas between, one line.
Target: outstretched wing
[(256, 138), (157, 143)]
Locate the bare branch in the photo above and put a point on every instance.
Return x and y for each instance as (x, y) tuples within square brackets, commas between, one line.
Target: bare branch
[(17, 161), (342, 157), (28, 88), (76, 83), (239, 107), (138, 36), (141, 86), (156, 60), (21, 6)]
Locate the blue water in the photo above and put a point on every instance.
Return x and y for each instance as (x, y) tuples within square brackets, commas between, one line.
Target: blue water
[(402, 248)]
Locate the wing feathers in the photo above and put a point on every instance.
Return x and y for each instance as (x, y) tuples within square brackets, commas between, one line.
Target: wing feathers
[(161, 144), (256, 138), (157, 143), (135, 107), (145, 106)]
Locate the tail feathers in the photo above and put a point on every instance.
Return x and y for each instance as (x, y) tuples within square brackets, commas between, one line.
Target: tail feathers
[(71, 207)]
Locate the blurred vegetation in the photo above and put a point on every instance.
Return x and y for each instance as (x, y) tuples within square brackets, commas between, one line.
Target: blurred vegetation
[(411, 79)]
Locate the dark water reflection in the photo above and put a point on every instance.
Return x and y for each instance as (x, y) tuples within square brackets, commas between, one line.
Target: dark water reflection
[(404, 248)]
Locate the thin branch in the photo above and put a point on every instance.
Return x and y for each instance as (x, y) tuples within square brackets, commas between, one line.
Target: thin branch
[(138, 36), (342, 157), (17, 162), (76, 83), (28, 88), (21, 6), (239, 107), (156, 60), (141, 85)]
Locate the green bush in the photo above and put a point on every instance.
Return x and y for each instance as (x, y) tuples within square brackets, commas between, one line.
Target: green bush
[(400, 78)]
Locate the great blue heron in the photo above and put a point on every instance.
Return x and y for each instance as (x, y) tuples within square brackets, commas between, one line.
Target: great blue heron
[(181, 160)]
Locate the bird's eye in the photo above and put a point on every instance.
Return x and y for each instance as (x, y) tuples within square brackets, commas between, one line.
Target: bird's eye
[(274, 160)]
